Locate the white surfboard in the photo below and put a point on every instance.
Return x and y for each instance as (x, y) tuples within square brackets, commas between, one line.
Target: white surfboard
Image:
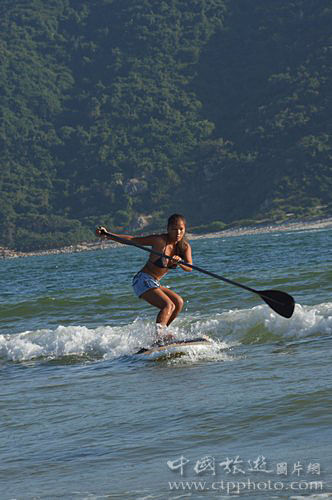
[(176, 348)]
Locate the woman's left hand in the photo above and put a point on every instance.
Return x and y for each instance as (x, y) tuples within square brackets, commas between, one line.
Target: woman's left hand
[(176, 259)]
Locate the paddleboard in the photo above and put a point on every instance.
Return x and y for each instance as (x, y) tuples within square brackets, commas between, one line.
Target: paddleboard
[(176, 348)]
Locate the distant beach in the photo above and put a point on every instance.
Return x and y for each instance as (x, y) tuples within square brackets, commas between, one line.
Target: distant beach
[(269, 228), (7, 253)]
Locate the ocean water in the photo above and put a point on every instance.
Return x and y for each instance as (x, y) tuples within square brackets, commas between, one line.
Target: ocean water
[(83, 417)]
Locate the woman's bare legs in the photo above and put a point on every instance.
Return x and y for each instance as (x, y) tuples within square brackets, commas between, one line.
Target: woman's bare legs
[(168, 302), (177, 301)]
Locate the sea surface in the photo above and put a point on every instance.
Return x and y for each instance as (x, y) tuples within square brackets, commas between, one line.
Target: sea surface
[(83, 417)]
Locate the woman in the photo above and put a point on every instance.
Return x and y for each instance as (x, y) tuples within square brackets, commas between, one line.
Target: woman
[(146, 283)]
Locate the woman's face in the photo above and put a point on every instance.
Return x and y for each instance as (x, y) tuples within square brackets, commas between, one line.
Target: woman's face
[(176, 230)]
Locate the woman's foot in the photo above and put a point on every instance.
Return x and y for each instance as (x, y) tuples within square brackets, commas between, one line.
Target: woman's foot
[(163, 335)]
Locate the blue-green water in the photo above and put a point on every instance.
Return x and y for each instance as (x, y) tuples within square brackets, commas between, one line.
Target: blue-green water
[(82, 417)]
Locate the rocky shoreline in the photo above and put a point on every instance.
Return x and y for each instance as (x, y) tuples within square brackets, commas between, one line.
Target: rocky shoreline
[(272, 228), (7, 253)]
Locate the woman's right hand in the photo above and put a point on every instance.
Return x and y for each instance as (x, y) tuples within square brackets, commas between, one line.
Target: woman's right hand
[(101, 231)]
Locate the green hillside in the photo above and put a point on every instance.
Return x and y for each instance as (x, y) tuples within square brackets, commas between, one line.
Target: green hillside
[(116, 110)]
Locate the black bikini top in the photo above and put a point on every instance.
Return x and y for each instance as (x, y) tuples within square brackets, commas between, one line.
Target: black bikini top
[(162, 262)]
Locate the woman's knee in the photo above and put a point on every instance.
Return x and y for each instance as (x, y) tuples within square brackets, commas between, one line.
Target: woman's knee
[(180, 303), (169, 307)]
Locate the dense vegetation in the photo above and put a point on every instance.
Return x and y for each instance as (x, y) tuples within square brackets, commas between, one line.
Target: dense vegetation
[(116, 110)]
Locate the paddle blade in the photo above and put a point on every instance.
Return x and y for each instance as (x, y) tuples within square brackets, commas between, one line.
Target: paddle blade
[(281, 302)]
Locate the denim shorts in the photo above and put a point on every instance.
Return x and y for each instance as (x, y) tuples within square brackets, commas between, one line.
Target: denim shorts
[(143, 282)]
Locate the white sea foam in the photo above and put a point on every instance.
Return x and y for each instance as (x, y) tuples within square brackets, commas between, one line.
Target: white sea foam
[(318, 496), (66, 341), (104, 342), (234, 326), (306, 321), (227, 329)]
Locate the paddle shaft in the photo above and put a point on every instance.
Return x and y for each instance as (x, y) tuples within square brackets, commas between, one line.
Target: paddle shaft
[(209, 273)]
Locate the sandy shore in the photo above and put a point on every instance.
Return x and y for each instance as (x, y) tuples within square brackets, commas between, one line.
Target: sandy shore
[(6, 253), (290, 226)]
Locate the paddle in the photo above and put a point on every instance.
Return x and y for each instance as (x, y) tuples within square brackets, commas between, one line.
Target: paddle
[(281, 302)]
